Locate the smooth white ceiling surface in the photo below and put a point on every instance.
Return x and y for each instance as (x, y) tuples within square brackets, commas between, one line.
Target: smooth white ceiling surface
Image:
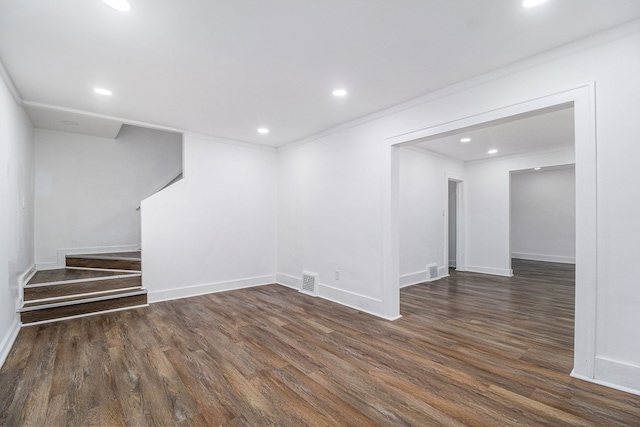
[(537, 131), (227, 67), (63, 121)]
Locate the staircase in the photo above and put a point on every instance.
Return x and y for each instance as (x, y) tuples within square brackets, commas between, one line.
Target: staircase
[(90, 284)]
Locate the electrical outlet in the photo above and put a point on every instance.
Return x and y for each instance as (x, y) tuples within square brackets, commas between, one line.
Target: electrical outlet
[(337, 275)]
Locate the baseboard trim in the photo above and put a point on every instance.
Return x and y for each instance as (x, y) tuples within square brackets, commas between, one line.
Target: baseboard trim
[(505, 272), (413, 278), (203, 289), (23, 279), (615, 375), (353, 300), (61, 254), (545, 258), (8, 340)]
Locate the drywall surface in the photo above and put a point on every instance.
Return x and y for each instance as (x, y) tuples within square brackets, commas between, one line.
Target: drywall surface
[(488, 208), (215, 229), (16, 210), (543, 215), (88, 188), (343, 218), (423, 199)]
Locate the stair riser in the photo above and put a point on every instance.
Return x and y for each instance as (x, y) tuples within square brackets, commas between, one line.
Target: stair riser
[(79, 309), (115, 264), (60, 290)]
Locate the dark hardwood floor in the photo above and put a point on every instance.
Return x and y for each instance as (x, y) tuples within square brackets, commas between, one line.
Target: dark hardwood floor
[(470, 349)]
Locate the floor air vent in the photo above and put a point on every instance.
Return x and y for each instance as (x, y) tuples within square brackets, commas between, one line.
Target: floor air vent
[(432, 271), (309, 283)]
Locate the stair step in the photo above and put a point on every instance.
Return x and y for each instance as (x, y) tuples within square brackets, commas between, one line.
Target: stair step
[(80, 286), (83, 306), (116, 261), (67, 274)]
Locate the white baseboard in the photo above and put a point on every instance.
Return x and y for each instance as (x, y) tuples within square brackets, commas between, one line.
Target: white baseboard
[(614, 374), (506, 272), (207, 288), (413, 278), (9, 339), (23, 279), (353, 300), (452, 263), (288, 281), (61, 254), (545, 258)]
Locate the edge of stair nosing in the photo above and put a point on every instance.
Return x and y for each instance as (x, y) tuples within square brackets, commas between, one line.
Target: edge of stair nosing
[(102, 257), (86, 294), (77, 316), (103, 269), (90, 279), (82, 301)]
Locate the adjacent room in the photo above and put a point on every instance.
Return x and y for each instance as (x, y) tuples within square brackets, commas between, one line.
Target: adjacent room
[(319, 213)]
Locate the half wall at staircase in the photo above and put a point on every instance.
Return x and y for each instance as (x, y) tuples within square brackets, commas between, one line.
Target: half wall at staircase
[(215, 229), (88, 188)]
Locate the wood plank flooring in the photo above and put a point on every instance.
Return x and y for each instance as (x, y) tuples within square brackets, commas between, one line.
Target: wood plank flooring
[(470, 350)]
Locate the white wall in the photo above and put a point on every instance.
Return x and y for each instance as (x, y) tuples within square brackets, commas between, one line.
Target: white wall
[(543, 215), (340, 215), (488, 208), (423, 197), (88, 188), (215, 229), (16, 210)]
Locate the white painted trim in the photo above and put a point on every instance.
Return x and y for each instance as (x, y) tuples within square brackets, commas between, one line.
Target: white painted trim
[(572, 48), (425, 152), (206, 288), (353, 300), (90, 279), (220, 140), (8, 340), (42, 106), (138, 272), (288, 281), (452, 263), (8, 81), (545, 258), (23, 279), (505, 272), (413, 278), (620, 376), (77, 316), (520, 155), (61, 254)]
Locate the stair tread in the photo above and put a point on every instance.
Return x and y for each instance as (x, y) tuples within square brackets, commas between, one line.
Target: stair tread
[(63, 274), (75, 299), (90, 308), (129, 256), (74, 288)]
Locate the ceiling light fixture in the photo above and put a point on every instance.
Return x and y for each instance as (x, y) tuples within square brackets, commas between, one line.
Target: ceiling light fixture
[(492, 151), (263, 131), (339, 92), (101, 91), (532, 3), (119, 5), (70, 123), (465, 140), (536, 169)]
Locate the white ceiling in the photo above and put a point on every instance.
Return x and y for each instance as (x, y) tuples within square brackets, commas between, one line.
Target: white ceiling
[(548, 129), (227, 67)]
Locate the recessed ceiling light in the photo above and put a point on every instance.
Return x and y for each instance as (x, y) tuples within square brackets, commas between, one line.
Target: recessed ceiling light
[(102, 91), (263, 130), (70, 123), (532, 3), (465, 140), (492, 151), (536, 169), (120, 5), (339, 92)]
